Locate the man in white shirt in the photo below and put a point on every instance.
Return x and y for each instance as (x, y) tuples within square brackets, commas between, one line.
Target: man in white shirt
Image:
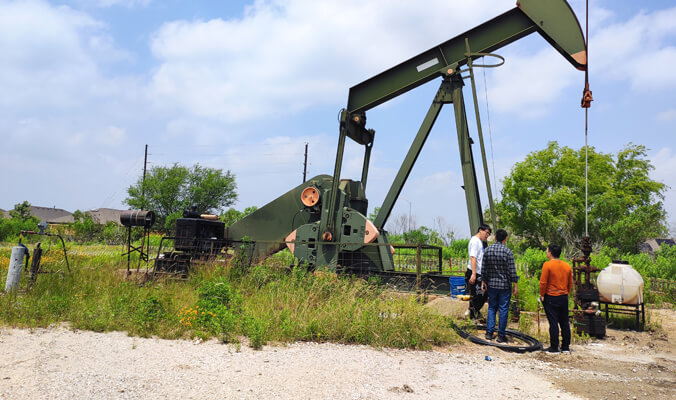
[(475, 249)]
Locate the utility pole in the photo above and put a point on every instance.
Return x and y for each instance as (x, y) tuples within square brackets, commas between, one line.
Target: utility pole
[(305, 164), (143, 183)]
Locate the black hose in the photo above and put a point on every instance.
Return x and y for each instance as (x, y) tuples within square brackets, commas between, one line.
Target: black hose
[(532, 344)]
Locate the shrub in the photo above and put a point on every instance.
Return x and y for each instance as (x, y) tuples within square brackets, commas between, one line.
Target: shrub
[(149, 311), (457, 249), (219, 307), (113, 233), (660, 265), (10, 228), (533, 258)]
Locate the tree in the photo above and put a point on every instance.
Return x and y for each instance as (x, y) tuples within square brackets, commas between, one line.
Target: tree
[(20, 220), (232, 215), (543, 198), (22, 212), (423, 235), (84, 228), (170, 190), (372, 216)]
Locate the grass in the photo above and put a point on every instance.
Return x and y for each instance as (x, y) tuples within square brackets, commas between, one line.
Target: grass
[(263, 303)]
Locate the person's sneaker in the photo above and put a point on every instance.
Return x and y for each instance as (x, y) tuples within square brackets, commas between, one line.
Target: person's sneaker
[(567, 351), (551, 350), (489, 336), (502, 339)]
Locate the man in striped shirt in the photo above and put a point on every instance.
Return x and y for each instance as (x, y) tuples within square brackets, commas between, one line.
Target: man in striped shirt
[(499, 276)]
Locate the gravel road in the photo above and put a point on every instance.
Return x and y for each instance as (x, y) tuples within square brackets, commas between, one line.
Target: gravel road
[(58, 363)]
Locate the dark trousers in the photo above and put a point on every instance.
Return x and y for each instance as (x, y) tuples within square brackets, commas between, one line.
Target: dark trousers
[(477, 299), (556, 308)]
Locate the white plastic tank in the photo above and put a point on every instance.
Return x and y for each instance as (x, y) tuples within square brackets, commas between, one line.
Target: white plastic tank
[(620, 283)]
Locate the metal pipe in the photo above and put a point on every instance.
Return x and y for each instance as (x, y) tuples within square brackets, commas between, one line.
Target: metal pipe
[(42, 233), (481, 137), (14, 270)]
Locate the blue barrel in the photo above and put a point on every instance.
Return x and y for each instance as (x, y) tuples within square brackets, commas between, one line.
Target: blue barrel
[(457, 285)]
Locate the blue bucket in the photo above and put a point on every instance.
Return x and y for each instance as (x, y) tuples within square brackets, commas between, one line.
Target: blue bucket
[(457, 285)]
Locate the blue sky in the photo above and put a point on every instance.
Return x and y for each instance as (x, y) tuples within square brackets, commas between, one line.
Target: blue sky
[(243, 85)]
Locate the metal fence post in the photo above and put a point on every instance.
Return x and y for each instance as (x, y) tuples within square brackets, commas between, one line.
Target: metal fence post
[(418, 268)]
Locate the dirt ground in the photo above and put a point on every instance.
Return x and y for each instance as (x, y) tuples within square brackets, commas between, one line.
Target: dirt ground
[(59, 363), (626, 364)]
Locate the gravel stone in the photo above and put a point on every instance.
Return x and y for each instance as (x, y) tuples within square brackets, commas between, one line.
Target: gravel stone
[(57, 363)]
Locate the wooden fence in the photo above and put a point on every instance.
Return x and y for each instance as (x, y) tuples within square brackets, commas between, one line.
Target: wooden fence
[(663, 286)]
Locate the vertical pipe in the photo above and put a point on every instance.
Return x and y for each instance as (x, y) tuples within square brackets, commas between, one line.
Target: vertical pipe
[(65, 255), (538, 318), (586, 110), (441, 261), (147, 233), (481, 138), (586, 179), (14, 270), (35, 264), (418, 268)]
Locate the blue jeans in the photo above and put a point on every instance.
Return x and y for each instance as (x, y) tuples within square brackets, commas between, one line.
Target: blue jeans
[(498, 300)]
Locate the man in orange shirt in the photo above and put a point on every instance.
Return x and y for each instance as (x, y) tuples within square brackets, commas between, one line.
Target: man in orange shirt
[(555, 284)]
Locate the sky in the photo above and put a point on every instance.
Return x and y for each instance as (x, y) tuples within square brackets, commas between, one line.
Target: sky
[(244, 85)]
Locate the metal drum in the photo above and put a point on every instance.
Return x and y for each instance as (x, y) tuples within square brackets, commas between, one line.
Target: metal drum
[(145, 219)]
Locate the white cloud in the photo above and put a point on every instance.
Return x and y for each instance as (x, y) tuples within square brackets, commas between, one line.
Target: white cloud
[(637, 51), (220, 85), (283, 57), (436, 195), (667, 116), (123, 3), (43, 57), (664, 161), (112, 136), (56, 106), (529, 85)]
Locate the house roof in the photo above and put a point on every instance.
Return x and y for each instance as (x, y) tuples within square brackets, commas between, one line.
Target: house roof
[(652, 245), (50, 214), (66, 219), (105, 215), (55, 215)]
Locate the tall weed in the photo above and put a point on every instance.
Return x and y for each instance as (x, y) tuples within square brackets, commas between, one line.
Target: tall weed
[(227, 301)]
